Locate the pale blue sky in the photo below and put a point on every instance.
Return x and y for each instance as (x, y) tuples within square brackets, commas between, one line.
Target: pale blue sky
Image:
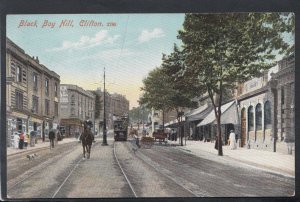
[(78, 54)]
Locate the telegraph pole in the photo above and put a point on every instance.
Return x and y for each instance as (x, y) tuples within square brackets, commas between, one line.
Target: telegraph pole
[(104, 142)]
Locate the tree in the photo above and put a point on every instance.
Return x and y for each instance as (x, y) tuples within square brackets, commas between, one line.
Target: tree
[(138, 114), (182, 87), (223, 49), (157, 92)]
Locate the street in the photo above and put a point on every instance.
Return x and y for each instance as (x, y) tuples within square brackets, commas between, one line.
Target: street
[(117, 170)]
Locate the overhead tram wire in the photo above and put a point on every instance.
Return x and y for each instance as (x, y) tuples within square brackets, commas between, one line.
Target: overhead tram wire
[(123, 42)]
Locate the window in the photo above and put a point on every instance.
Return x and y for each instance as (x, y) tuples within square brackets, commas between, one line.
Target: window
[(72, 111), (55, 89), (56, 108), (250, 119), (72, 100), (47, 107), (47, 87), (268, 116), (35, 81), (19, 74), (19, 100), (35, 104), (282, 96), (258, 117)]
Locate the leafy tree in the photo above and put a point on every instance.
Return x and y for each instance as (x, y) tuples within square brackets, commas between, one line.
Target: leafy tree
[(182, 88), (156, 91), (138, 114), (223, 49), (163, 90)]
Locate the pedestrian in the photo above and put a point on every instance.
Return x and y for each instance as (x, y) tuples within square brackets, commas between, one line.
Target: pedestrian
[(16, 140), (51, 138), (21, 140), (32, 138), (232, 140)]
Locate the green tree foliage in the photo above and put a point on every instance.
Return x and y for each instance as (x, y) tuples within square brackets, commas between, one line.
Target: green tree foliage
[(164, 90), (156, 91), (138, 114), (223, 49)]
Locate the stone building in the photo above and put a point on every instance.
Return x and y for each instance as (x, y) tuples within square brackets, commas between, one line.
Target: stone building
[(266, 108), (116, 105), (283, 88), (32, 92), (120, 105), (77, 105)]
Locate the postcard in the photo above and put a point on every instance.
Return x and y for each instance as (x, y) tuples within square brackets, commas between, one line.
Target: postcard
[(150, 105)]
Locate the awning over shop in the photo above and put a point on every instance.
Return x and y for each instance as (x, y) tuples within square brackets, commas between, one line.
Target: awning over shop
[(199, 113), (229, 115), (175, 121)]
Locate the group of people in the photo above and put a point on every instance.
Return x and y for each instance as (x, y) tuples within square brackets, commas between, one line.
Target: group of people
[(21, 139)]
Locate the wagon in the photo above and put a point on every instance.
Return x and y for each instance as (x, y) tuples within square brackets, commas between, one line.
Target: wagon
[(160, 136), (147, 142)]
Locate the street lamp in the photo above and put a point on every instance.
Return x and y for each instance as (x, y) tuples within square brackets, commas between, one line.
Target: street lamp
[(104, 142)]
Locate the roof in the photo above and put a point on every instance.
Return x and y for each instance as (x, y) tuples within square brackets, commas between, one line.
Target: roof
[(199, 113), (229, 115)]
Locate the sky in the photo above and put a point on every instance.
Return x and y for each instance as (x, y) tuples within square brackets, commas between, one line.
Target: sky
[(78, 47)]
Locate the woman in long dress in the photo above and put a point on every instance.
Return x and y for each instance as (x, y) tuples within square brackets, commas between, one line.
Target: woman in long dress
[(232, 140)]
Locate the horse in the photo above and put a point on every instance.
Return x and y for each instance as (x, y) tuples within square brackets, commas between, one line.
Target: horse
[(87, 139)]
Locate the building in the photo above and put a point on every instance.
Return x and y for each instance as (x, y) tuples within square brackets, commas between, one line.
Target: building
[(260, 111), (115, 105), (32, 93), (120, 105), (77, 105), (266, 108)]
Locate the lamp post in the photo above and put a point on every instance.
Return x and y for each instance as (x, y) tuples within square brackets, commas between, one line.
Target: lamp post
[(104, 142)]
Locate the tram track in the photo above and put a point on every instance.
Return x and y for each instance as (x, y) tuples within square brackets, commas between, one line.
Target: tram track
[(211, 170), (151, 163), (34, 171), (128, 181), (45, 164), (66, 178), (157, 171)]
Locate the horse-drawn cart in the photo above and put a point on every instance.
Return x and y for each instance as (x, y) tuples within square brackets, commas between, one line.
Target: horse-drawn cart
[(160, 136), (147, 142)]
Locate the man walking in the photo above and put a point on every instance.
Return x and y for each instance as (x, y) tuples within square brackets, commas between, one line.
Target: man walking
[(51, 138)]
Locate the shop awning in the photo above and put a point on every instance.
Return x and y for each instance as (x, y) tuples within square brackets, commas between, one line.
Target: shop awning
[(199, 113), (229, 115)]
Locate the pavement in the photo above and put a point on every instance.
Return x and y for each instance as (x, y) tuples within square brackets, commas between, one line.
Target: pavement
[(274, 162), (40, 144)]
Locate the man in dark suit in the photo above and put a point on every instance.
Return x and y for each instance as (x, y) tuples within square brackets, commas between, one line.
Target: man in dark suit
[(51, 138)]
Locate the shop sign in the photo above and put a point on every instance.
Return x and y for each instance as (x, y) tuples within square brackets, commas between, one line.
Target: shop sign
[(253, 84), (63, 94)]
